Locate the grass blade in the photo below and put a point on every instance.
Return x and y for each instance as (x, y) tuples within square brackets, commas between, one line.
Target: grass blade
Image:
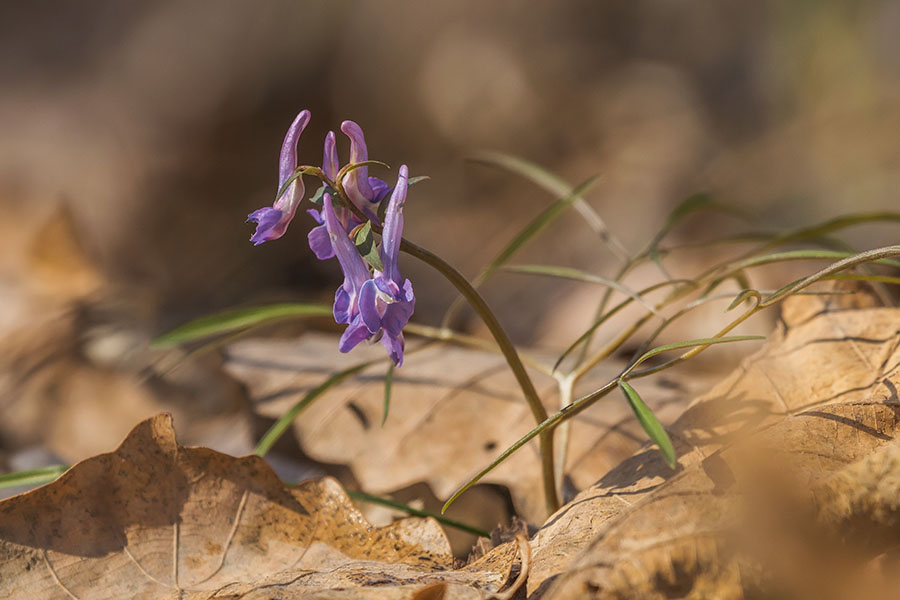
[(38, 476), (417, 513), (280, 426), (650, 423), (878, 255), (578, 275), (534, 227), (241, 318), (606, 316), (559, 188), (690, 344)]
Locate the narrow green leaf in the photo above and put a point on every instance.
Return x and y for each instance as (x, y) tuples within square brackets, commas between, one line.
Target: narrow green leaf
[(535, 226), (550, 422), (556, 186), (878, 255), (237, 319), (821, 229), (650, 423), (417, 513), (612, 312), (32, 476), (578, 275), (864, 277), (691, 344), (743, 295), (319, 196), (388, 381), (414, 180), (365, 245), (280, 426)]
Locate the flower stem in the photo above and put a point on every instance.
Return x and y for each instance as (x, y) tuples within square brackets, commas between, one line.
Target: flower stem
[(551, 498)]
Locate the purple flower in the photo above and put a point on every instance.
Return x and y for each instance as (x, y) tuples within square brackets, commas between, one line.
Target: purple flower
[(372, 305), (271, 222), (365, 192)]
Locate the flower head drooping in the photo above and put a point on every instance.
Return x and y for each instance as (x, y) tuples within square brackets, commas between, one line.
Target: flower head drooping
[(272, 221), (356, 273), (387, 301), (365, 192), (379, 305)]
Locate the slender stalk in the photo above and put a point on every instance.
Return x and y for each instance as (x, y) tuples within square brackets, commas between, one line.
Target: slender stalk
[(551, 498)]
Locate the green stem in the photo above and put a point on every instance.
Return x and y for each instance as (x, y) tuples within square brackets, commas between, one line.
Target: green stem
[(415, 512), (551, 498)]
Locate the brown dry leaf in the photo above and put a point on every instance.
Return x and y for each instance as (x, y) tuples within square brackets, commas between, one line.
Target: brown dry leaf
[(452, 411), (157, 520), (802, 507)]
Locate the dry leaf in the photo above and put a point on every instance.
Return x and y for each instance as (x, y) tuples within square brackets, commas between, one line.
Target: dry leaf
[(452, 411), (157, 520), (798, 508)]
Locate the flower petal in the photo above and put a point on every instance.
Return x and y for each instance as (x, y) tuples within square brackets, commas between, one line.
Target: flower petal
[(287, 161), (356, 273), (356, 182), (330, 163), (393, 227), (270, 224), (368, 306), (353, 335), (394, 345), (320, 242)]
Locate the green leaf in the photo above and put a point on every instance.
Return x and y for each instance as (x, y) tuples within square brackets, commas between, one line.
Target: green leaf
[(280, 426), (556, 186), (612, 312), (535, 226), (388, 381), (691, 344), (650, 423), (878, 255), (319, 196), (414, 180), (417, 513), (241, 318), (365, 245), (578, 275), (32, 476)]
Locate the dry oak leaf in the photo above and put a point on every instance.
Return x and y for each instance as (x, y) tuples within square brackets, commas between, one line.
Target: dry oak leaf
[(157, 520), (821, 400), (452, 411)]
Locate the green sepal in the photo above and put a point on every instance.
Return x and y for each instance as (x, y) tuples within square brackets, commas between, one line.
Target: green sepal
[(365, 245), (319, 196)]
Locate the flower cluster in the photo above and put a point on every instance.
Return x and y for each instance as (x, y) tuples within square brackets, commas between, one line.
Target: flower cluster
[(374, 303)]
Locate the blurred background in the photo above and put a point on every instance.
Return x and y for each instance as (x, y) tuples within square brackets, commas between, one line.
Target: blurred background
[(136, 137)]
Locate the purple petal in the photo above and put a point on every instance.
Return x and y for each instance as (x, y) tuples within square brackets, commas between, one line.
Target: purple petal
[(397, 315), (343, 309), (270, 224), (356, 273), (368, 306), (287, 162), (393, 227), (320, 243), (380, 189), (394, 345), (356, 183), (330, 163), (353, 335)]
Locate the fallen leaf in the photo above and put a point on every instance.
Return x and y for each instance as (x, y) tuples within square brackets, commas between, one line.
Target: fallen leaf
[(157, 520), (452, 411), (795, 447)]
